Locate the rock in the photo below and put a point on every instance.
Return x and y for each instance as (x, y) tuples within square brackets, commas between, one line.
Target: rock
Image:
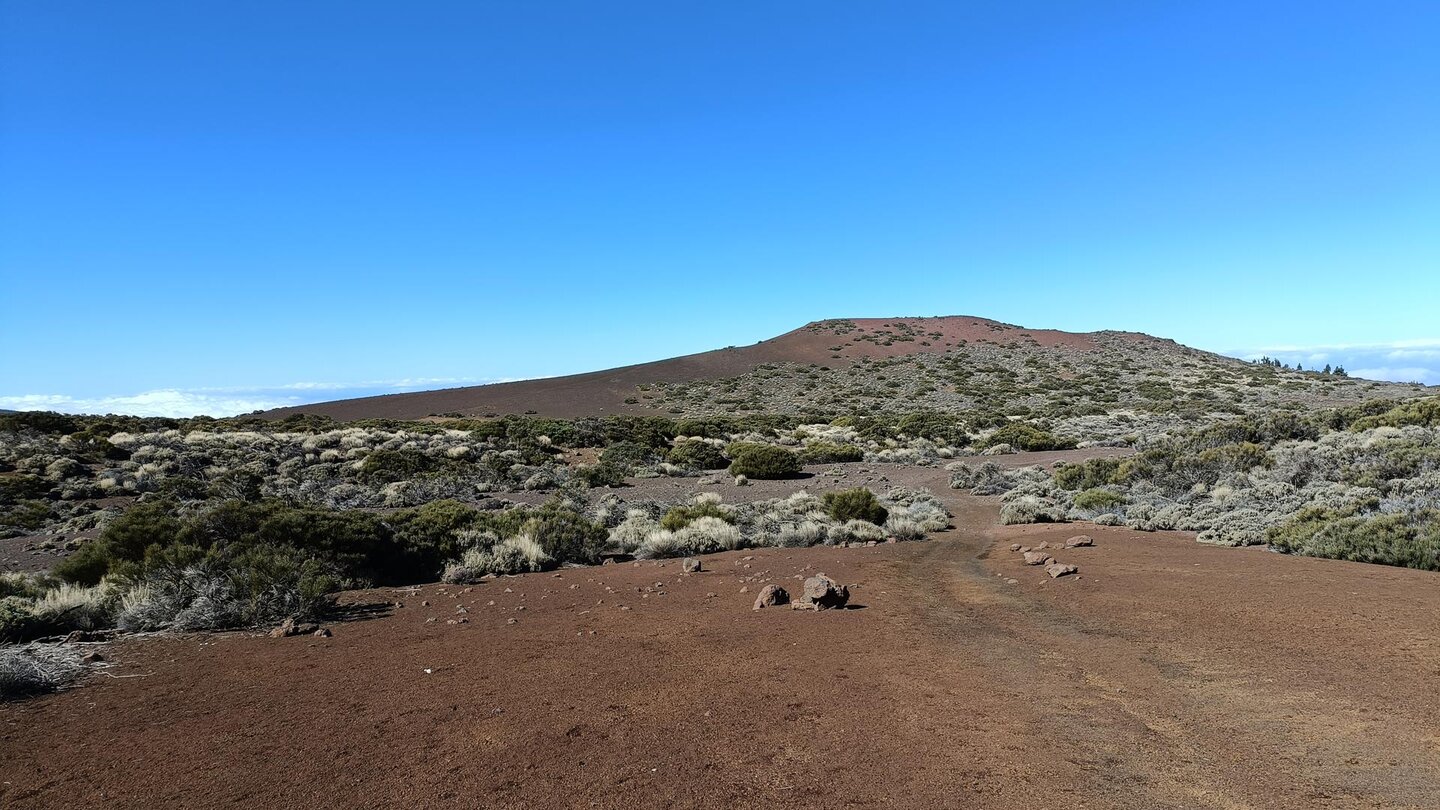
[(1015, 546), (323, 632), (1023, 549), (690, 565), (1079, 541), (1036, 558), (1057, 570), (822, 593), (771, 596), (92, 657), (1043, 545), (290, 627)]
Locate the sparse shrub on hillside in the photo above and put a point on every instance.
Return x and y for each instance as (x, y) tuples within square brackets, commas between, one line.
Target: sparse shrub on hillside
[(855, 504), (762, 461)]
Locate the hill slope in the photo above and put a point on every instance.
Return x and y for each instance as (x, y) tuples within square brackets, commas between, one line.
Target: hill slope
[(897, 364)]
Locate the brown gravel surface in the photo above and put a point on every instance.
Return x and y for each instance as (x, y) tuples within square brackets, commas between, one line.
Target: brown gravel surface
[(1166, 674)]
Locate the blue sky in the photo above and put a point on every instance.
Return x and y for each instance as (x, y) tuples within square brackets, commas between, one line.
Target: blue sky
[(219, 206)]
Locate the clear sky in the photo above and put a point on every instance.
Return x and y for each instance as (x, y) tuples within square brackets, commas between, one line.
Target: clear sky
[(217, 206)]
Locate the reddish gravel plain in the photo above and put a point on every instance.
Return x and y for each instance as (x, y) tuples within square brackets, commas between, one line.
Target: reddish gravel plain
[(1167, 674)]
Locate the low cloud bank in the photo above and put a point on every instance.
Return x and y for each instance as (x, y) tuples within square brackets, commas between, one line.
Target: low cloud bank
[(176, 402)]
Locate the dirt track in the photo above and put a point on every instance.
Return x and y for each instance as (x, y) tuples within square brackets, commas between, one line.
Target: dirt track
[(1168, 675)]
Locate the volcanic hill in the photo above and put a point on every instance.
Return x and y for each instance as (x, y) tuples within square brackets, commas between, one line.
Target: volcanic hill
[(896, 364)]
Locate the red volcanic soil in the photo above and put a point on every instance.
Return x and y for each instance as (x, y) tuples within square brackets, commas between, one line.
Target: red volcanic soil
[(603, 392), (1167, 674)]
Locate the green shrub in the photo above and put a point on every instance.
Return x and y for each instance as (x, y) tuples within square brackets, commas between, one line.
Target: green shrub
[(855, 504), (762, 461), (18, 621), (604, 474), (1410, 540), (389, 466), (828, 453), (567, 536), (1098, 500), (681, 516), (629, 455), (1026, 437), (1093, 473), (697, 455)]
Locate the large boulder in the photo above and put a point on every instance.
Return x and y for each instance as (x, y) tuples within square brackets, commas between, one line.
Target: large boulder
[(771, 596), (1036, 558), (822, 593)]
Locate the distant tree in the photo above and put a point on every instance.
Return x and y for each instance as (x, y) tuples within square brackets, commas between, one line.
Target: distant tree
[(1327, 369), (1340, 372)]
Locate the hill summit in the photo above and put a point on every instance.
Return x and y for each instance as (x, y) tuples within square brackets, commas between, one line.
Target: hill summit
[(851, 365)]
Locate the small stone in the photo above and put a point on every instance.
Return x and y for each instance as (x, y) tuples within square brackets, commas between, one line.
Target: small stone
[(512, 621), (1036, 558), (1057, 570), (324, 632), (690, 565), (1014, 546)]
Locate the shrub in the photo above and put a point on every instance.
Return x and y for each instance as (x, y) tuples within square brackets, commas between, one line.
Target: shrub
[(703, 535), (604, 474), (904, 529), (1411, 540), (566, 536), (1026, 437), (828, 453), (762, 461), (697, 455), (37, 668), (18, 621), (1093, 473), (389, 466), (262, 587), (517, 555), (1029, 509), (1098, 500), (855, 504), (679, 517), (629, 455)]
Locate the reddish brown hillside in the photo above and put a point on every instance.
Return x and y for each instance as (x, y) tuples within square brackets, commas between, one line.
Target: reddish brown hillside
[(832, 342)]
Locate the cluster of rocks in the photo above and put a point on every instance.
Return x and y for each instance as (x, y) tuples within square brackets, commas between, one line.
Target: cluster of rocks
[(1040, 555), (290, 628), (817, 593)]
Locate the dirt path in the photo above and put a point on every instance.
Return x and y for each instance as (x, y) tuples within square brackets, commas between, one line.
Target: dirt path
[(1167, 675)]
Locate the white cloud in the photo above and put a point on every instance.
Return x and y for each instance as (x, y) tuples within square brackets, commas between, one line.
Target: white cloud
[(1396, 361), (164, 402), (227, 401)]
